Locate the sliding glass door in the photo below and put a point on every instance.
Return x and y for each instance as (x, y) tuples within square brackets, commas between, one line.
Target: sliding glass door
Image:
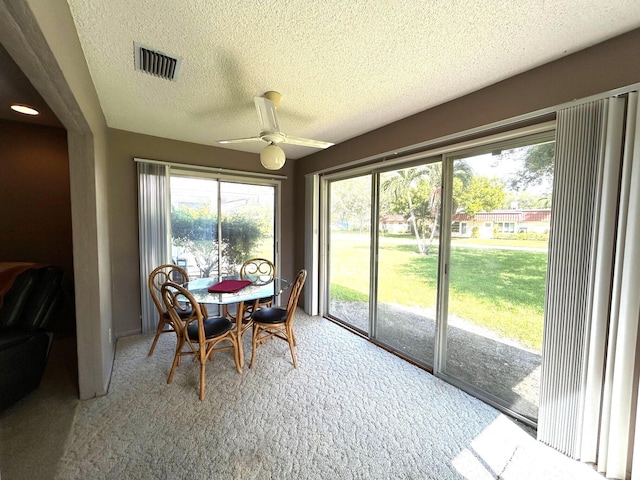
[(398, 256), (497, 266), (216, 225), (466, 296), (407, 252), (349, 244)]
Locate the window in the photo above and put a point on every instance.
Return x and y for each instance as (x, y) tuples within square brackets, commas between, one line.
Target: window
[(506, 227), (216, 225), (208, 223)]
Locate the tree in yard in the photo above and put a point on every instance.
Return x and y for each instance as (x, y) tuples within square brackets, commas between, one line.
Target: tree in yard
[(416, 192), (351, 202), (196, 230), (239, 237), (537, 165), (404, 186), (524, 199), (481, 194), (462, 177)]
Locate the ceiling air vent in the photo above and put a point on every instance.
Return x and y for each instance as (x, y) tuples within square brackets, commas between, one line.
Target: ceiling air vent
[(156, 63)]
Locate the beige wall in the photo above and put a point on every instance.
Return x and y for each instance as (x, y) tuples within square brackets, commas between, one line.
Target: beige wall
[(35, 225), (123, 147), (606, 66), (41, 38)]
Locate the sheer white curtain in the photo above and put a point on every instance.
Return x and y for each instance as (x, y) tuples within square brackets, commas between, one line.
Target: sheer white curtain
[(153, 225), (588, 389)]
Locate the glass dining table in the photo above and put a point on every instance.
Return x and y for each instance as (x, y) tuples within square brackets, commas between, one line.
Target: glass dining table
[(259, 288)]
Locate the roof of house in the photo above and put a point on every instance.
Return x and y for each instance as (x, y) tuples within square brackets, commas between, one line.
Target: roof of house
[(519, 216)]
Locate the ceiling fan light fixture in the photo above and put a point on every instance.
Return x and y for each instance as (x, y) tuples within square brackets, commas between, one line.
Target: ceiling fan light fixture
[(272, 157)]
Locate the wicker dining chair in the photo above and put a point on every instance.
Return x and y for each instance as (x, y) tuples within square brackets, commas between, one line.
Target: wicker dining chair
[(269, 322), (260, 271), (201, 335), (159, 276)]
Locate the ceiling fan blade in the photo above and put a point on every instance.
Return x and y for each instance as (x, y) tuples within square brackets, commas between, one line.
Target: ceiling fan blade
[(267, 113), (240, 140), (305, 142)]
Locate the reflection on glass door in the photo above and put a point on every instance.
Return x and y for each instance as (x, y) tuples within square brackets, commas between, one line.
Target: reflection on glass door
[(349, 258), (216, 225), (497, 273), (408, 247)]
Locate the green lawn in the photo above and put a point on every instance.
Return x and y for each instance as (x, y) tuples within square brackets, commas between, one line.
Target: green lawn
[(499, 289), (500, 242)]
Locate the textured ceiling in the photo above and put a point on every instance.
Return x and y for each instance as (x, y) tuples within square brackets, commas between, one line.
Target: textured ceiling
[(343, 67)]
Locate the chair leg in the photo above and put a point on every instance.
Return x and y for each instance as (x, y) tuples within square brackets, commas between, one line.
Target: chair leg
[(159, 330), (254, 343), (236, 353), (176, 359), (291, 341), (202, 369)]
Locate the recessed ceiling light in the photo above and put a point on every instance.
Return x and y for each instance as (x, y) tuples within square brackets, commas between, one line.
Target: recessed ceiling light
[(24, 109)]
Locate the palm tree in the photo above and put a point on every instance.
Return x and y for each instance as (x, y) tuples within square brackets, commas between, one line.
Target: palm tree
[(405, 184), (402, 184), (399, 185)]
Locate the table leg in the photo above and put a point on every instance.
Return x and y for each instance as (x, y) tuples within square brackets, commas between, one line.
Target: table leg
[(239, 315)]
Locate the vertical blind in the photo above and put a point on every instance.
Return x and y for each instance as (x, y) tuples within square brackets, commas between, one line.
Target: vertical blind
[(577, 160), (589, 374), (153, 227)]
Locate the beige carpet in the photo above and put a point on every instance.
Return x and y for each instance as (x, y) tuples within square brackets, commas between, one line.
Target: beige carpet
[(34, 430), (350, 410)]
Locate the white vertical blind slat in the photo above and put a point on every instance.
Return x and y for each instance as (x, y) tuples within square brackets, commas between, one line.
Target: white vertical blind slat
[(602, 280), (627, 329)]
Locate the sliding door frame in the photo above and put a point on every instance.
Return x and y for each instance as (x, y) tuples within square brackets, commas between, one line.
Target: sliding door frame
[(243, 179), (445, 262), (533, 134)]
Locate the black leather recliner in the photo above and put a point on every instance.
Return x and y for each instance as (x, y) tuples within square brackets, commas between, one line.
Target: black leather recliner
[(28, 315)]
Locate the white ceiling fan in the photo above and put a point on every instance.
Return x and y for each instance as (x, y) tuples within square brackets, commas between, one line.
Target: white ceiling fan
[(272, 156)]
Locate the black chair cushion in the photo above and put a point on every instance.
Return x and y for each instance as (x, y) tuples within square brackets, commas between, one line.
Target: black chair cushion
[(213, 327), (270, 315)]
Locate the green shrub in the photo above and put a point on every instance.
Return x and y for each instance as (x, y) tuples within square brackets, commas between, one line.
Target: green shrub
[(196, 231), (541, 237)]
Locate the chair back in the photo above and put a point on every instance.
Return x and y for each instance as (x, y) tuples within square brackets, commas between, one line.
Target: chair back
[(161, 275), (259, 270), (184, 309), (296, 290)]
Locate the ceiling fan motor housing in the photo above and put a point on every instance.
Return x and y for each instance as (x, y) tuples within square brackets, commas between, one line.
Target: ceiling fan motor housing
[(272, 137)]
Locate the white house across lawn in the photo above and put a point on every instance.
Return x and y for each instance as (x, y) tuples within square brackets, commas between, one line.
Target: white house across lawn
[(501, 222)]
